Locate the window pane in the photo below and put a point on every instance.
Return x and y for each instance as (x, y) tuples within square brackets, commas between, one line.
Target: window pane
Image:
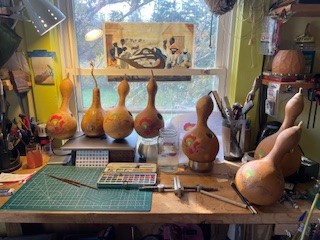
[(171, 96), (93, 14)]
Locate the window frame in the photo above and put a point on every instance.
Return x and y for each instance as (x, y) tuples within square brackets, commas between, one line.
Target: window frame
[(70, 58)]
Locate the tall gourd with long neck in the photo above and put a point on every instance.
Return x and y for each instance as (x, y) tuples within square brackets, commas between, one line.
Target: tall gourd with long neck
[(200, 144), (118, 121), (62, 124), (148, 122), (92, 120), (261, 181), (290, 161)]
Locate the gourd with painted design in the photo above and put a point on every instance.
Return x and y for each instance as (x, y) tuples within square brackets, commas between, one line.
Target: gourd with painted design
[(261, 181), (200, 144), (92, 120), (148, 122), (118, 122), (62, 124)]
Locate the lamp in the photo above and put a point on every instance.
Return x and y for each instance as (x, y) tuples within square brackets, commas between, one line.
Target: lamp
[(43, 15)]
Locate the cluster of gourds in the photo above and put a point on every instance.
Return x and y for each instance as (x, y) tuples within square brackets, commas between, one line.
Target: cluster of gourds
[(261, 181), (200, 144), (117, 122)]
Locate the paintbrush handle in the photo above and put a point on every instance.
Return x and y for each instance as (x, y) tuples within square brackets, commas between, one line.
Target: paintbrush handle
[(223, 199)]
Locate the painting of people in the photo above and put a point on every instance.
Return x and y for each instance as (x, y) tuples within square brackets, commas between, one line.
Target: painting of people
[(149, 45)]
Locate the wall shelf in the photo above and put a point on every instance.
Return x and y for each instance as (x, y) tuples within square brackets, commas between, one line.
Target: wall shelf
[(298, 10)]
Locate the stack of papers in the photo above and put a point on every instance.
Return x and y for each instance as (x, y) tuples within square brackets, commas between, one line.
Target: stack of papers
[(13, 177)]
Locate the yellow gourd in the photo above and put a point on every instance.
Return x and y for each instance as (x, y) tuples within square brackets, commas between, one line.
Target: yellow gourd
[(62, 124), (118, 122), (92, 120)]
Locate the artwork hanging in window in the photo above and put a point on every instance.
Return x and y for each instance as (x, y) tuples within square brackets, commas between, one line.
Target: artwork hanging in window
[(149, 45)]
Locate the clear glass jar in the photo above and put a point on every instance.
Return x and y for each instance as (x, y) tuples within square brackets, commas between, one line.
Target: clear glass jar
[(168, 150)]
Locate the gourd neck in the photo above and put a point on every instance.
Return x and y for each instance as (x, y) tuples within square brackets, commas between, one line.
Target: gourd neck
[(96, 102), (123, 91), (152, 91), (287, 122), (65, 104)]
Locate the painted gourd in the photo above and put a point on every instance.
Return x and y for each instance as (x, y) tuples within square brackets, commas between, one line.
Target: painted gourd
[(261, 181), (148, 122), (118, 122), (92, 120), (62, 124), (288, 62), (290, 161), (200, 144)]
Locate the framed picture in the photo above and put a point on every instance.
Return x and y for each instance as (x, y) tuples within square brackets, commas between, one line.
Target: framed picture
[(149, 45)]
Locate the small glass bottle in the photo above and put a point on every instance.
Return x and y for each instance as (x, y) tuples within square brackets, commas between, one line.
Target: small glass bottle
[(33, 154), (168, 149)]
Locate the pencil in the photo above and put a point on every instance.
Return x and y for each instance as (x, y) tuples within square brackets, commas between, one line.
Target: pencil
[(243, 199)]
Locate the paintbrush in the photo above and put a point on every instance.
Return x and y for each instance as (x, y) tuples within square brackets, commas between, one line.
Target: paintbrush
[(72, 182), (243, 199)]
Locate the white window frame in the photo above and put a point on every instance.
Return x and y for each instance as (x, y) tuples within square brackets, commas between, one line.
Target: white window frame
[(69, 56)]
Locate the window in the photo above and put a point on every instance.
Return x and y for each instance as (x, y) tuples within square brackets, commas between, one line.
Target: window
[(211, 48)]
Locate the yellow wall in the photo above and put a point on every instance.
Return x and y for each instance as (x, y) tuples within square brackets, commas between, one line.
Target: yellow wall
[(46, 96), (246, 63)]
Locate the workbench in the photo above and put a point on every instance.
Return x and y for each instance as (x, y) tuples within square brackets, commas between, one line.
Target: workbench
[(192, 207)]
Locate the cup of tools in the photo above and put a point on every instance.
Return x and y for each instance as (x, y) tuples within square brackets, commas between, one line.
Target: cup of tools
[(232, 132)]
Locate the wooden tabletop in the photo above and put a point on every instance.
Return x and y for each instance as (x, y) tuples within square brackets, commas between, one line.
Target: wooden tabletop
[(167, 208)]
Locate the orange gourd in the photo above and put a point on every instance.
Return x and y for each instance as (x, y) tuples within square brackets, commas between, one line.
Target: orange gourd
[(261, 181), (62, 124), (288, 62), (148, 122), (290, 161), (200, 144), (118, 122), (92, 120)]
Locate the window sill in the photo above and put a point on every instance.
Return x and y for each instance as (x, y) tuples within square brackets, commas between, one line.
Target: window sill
[(147, 72)]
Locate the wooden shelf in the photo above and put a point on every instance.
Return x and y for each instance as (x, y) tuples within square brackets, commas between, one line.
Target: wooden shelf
[(289, 85), (298, 10)]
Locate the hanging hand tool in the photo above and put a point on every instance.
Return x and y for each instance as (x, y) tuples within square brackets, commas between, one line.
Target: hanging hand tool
[(311, 98), (255, 86), (317, 98)]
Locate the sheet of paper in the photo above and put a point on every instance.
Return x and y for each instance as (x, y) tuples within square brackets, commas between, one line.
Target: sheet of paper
[(13, 177)]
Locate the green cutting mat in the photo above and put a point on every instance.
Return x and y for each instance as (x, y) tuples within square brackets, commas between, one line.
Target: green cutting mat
[(42, 192)]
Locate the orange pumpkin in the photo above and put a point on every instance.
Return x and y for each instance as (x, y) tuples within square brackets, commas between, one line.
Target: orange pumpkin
[(288, 62)]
